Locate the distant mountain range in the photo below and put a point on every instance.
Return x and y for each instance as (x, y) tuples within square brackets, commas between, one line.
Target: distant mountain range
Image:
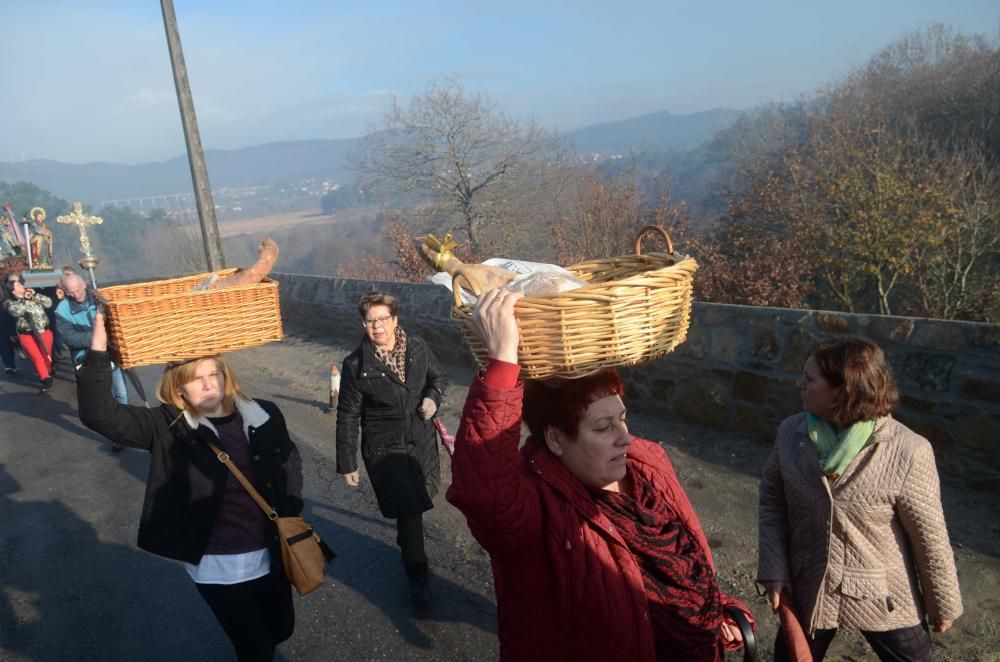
[(290, 162), (273, 163), (656, 132)]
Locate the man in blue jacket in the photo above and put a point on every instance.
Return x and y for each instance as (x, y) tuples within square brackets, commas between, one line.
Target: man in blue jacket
[(75, 321)]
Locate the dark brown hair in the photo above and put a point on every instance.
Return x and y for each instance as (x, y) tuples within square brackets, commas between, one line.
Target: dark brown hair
[(563, 404), (377, 299), (858, 366)]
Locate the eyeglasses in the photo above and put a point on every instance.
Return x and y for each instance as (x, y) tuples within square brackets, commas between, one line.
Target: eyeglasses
[(378, 320)]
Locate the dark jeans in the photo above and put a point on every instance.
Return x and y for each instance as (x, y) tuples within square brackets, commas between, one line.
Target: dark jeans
[(912, 644), (7, 345), (410, 538), (57, 345), (7, 351), (256, 615)]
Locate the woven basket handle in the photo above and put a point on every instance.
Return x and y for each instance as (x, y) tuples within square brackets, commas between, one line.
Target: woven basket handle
[(652, 228), (470, 280)]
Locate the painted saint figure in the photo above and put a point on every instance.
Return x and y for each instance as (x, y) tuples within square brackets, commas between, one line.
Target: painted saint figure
[(42, 235)]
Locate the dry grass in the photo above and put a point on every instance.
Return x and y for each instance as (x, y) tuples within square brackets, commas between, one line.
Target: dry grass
[(274, 222)]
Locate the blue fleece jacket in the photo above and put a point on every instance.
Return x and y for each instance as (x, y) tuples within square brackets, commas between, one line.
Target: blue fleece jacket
[(75, 322)]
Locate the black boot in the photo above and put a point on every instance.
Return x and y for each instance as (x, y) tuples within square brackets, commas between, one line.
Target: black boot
[(46, 385), (420, 587)]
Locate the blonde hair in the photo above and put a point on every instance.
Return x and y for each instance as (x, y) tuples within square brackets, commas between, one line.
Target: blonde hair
[(174, 377)]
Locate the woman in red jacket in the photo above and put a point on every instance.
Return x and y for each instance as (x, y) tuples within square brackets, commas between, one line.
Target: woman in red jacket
[(597, 553)]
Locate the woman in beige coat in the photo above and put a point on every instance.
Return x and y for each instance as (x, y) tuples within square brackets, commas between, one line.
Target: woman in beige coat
[(851, 529)]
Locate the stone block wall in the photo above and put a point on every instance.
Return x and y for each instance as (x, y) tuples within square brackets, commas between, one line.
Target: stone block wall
[(330, 306), (738, 367)]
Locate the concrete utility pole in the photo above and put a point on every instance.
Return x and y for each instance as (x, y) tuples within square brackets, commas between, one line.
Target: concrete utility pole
[(196, 156)]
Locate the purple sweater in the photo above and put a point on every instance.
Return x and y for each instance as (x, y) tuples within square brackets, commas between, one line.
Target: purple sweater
[(240, 526)]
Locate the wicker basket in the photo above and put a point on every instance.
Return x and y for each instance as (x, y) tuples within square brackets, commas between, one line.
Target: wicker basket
[(636, 308), (166, 321)]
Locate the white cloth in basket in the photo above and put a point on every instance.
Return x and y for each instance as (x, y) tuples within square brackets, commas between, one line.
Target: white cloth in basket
[(519, 267)]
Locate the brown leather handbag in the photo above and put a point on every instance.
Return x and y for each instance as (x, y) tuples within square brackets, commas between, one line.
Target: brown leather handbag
[(795, 635), (303, 553)]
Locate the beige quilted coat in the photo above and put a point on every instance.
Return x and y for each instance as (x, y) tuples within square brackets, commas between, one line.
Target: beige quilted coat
[(869, 551)]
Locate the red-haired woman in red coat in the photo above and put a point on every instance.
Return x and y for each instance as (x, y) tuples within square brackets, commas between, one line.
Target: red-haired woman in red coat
[(597, 553)]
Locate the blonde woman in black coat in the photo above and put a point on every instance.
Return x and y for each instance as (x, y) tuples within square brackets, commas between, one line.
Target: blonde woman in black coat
[(391, 387), (195, 511)]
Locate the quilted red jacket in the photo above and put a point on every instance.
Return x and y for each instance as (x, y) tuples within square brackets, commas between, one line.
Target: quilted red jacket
[(567, 586)]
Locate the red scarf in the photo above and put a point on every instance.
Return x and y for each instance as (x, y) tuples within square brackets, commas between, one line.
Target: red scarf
[(685, 605)]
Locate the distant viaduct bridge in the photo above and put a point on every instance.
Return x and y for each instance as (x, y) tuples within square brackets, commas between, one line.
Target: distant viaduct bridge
[(165, 200)]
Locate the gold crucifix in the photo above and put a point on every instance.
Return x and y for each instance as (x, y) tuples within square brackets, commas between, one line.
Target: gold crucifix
[(81, 221)]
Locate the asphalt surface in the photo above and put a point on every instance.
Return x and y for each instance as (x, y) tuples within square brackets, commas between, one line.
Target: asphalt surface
[(73, 586)]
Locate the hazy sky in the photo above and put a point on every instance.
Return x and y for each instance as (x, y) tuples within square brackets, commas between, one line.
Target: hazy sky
[(91, 81)]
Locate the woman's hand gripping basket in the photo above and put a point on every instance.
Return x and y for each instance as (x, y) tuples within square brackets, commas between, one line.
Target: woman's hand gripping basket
[(166, 320), (635, 308)]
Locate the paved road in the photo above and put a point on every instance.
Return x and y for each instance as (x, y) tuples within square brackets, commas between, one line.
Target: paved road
[(73, 586)]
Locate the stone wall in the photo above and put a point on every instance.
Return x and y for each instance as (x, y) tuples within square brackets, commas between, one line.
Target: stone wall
[(738, 368), (330, 306)]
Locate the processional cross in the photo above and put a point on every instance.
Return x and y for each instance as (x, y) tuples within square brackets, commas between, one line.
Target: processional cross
[(81, 221)]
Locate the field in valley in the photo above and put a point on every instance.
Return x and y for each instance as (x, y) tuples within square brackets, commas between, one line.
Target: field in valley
[(281, 221)]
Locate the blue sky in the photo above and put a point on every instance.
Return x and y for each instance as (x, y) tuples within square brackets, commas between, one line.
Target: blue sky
[(91, 81)]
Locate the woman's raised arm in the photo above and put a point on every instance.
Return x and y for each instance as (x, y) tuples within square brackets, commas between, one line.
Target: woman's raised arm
[(122, 424), (489, 483)]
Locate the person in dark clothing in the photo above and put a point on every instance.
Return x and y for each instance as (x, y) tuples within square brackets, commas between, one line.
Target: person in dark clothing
[(392, 386), (195, 510), (8, 338)]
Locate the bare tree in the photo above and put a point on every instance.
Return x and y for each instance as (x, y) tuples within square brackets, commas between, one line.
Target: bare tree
[(877, 194), (948, 270), (395, 259), (603, 222), (173, 246), (454, 152)]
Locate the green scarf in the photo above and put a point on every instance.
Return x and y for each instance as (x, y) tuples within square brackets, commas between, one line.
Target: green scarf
[(838, 450)]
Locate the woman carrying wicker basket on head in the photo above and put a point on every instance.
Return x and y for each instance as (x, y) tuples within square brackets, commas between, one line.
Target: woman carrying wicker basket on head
[(597, 553), (390, 389), (195, 510), (851, 530)]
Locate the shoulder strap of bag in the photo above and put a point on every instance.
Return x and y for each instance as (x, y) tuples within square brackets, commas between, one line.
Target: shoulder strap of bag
[(223, 457)]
